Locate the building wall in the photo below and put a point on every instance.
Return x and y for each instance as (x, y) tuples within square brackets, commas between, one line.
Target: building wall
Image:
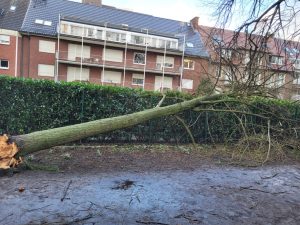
[(8, 52)]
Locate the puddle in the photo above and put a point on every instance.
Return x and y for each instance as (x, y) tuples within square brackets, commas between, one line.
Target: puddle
[(204, 196)]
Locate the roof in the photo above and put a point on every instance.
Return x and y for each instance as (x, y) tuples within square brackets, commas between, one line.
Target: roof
[(51, 9), (289, 50), (274, 46), (12, 19)]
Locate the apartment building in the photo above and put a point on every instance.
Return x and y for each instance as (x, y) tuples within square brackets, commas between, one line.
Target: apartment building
[(255, 61), (12, 15), (86, 41)]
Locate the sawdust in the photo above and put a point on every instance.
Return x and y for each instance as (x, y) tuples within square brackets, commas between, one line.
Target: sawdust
[(8, 152)]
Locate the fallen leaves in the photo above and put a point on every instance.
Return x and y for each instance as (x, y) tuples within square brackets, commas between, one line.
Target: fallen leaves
[(7, 153)]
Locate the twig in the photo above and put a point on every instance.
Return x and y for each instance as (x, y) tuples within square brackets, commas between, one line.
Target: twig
[(189, 218), (7, 216), (79, 220), (199, 109), (269, 139), (31, 210), (66, 191), (150, 222), (254, 189), (187, 129), (266, 178), (161, 101)]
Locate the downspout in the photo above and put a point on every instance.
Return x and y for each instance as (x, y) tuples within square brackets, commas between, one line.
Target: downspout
[(28, 56), (22, 56), (17, 52), (58, 49), (162, 86), (182, 64), (146, 52)]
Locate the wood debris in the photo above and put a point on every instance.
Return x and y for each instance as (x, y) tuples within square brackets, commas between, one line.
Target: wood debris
[(7, 153)]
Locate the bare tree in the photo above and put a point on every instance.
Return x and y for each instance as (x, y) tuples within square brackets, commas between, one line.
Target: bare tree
[(262, 54)]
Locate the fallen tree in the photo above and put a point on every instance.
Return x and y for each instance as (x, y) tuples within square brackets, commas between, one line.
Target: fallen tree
[(15, 146)]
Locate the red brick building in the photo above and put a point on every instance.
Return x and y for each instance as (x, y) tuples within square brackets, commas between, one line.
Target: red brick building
[(94, 43)]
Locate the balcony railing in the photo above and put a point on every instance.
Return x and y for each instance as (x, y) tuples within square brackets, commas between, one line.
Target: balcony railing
[(118, 36), (129, 64)]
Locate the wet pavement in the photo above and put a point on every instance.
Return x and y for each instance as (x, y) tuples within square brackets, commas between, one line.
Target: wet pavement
[(209, 195)]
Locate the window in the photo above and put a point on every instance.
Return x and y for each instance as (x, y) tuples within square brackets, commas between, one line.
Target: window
[(296, 63), (169, 62), (138, 40), (161, 43), (276, 60), (166, 83), (189, 64), (43, 22), (297, 78), (189, 45), (113, 55), (276, 80), (226, 53), (112, 77), (226, 75), (76, 30), (4, 39), (46, 70), (187, 84), (48, 23), (138, 79), (114, 36), (77, 74), (139, 58), (38, 21), (171, 44), (46, 46), (4, 64), (75, 51)]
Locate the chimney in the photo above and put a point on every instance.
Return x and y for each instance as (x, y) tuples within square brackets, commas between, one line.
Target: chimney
[(195, 22), (93, 2)]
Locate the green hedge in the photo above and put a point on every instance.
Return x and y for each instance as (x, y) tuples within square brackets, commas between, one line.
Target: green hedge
[(31, 105)]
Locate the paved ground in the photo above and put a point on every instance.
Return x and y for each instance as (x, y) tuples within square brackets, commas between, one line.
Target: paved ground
[(205, 195)]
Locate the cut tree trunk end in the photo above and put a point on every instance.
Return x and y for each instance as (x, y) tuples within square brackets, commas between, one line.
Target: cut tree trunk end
[(7, 153)]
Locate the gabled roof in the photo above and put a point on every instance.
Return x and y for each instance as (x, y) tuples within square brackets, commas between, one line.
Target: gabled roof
[(12, 19), (50, 10)]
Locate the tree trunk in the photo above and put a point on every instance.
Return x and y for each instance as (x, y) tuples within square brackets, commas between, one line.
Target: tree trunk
[(41, 140)]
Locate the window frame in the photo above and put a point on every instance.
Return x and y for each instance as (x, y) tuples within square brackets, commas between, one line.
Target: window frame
[(189, 61), (4, 68), (5, 43), (46, 65), (47, 42), (276, 61), (187, 81), (138, 84), (139, 53)]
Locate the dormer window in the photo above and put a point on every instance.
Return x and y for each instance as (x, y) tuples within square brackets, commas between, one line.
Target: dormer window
[(189, 45), (12, 8), (43, 22)]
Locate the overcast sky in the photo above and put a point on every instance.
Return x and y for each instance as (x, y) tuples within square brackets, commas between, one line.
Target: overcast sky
[(183, 10)]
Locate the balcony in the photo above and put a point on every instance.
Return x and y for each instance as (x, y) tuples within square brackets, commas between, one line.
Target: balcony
[(119, 36), (98, 61)]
